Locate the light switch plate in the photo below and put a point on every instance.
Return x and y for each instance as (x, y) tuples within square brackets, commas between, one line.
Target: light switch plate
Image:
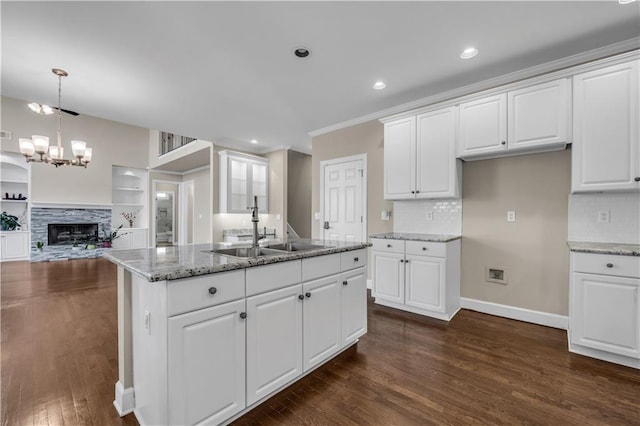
[(384, 215), (316, 216), (511, 216)]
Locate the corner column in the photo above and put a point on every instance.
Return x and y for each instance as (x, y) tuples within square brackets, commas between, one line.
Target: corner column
[(124, 398)]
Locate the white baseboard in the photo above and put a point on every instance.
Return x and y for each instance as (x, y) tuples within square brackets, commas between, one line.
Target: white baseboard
[(124, 401), (370, 284), (513, 312)]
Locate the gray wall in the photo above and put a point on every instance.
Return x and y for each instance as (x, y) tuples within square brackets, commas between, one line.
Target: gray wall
[(299, 193)]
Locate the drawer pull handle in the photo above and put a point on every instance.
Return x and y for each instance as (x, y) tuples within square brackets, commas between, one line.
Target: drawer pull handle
[(308, 295), (243, 315), (213, 290), (609, 265), (356, 259), (345, 282), (425, 249), (406, 261), (389, 245), (637, 178), (301, 297), (503, 143)]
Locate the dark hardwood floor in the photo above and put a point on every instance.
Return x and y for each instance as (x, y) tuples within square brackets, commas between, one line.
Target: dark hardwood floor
[(59, 365)]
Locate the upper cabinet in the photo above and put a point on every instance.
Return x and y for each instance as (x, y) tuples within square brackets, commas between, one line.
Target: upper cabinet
[(534, 118), (606, 153), (243, 176), (419, 156)]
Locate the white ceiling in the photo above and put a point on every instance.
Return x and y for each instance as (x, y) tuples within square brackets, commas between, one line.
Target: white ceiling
[(225, 71)]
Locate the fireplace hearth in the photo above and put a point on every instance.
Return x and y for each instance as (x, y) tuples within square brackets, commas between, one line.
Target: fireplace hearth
[(72, 233)]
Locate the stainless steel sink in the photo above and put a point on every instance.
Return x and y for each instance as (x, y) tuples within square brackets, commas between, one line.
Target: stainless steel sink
[(296, 246), (247, 252)]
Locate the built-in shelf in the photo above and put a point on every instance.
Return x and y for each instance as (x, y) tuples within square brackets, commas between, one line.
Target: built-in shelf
[(14, 181), (129, 195), (15, 178), (124, 188), (5, 200), (128, 204)]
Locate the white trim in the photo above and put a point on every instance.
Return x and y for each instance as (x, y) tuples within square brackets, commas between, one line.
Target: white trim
[(125, 401), (624, 50), (323, 164), (59, 205), (168, 172), (197, 169), (185, 221), (154, 207), (369, 284), (513, 312)]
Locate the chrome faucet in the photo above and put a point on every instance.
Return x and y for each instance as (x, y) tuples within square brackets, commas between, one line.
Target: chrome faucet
[(255, 219)]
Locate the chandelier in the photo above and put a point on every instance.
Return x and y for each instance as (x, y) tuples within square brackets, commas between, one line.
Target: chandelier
[(40, 144)]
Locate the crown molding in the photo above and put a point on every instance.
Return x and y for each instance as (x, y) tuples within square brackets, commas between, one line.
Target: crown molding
[(548, 67)]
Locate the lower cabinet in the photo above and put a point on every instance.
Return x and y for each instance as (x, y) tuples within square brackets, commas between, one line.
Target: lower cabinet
[(207, 348), (14, 245), (131, 238), (274, 341), (604, 307), (416, 276)]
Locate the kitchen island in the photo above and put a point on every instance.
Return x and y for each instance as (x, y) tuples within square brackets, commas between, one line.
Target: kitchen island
[(204, 335)]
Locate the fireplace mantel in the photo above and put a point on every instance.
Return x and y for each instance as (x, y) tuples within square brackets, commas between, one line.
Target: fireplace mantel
[(63, 205)]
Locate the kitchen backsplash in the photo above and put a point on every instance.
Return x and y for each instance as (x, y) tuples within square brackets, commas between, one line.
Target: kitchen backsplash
[(623, 209), (412, 216)]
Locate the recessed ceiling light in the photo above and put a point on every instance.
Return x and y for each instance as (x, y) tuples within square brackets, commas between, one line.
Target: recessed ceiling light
[(379, 85), (253, 141), (469, 53), (626, 1), (302, 52)]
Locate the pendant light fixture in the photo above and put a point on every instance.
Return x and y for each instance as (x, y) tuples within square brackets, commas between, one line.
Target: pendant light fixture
[(39, 144)]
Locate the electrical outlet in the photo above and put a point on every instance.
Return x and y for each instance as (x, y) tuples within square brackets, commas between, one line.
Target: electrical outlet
[(511, 216), (384, 215), (429, 215), (278, 217), (603, 216)]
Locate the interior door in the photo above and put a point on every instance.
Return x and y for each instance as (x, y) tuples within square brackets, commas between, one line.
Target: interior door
[(343, 200)]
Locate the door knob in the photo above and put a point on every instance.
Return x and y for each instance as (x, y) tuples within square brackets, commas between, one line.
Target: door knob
[(326, 225)]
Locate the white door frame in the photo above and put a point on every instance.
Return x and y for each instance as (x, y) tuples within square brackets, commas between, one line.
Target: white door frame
[(323, 165), (154, 207), (184, 222)]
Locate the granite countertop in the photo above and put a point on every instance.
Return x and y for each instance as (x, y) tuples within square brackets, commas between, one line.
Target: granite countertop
[(170, 263), (605, 248), (438, 238)]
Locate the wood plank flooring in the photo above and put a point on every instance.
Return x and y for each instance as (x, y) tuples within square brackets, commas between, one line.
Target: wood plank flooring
[(59, 365)]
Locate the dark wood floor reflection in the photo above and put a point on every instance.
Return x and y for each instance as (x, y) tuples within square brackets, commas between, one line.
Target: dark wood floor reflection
[(59, 365)]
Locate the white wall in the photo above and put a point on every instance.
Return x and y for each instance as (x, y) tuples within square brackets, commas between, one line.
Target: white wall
[(113, 143)]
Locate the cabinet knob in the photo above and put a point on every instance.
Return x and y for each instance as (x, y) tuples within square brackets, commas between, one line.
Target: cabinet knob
[(503, 143), (213, 290), (308, 295), (389, 245), (417, 192), (356, 259), (406, 261), (425, 249), (243, 315), (637, 178), (301, 297), (345, 282), (413, 192), (609, 265), (401, 260)]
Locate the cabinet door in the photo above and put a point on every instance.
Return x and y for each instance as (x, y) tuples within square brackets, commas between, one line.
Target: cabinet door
[(483, 126), (538, 115), (354, 305), (388, 276), (605, 313), (321, 320), (14, 246), (238, 186), (436, 168), (274, 341), (206, 363), (123, 242), (260, 185), (400, 159), (606, 153), (138, 238), (426, 282)]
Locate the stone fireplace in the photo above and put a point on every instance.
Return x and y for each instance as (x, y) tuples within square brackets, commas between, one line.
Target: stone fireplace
[(66, 232)]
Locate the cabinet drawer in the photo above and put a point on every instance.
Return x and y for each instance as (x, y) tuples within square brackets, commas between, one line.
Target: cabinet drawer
[(353, 259), (425, 248), (270, 277), (392, 246), (190, 294), (320, 266), (607, 264)]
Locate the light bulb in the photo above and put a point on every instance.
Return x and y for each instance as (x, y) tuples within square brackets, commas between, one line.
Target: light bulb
[(47, 110), (35, 107), (41, 143), (469, 53), (56, 153), (78, 148), (87, 155), (26, 147)]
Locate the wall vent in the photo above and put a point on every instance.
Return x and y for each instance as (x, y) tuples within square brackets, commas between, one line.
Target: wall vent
[(495, 274), (5, 134)]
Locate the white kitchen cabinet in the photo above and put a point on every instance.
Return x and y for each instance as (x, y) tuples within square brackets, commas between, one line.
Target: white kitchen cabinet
[(353, 305), (321, 320), (14, 245), (483, 126), (606, 151), (274, 340), (530, 119), (604, 307), (416, 276), (206, 360), (243, 176), (420, 156), (130, 238)]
